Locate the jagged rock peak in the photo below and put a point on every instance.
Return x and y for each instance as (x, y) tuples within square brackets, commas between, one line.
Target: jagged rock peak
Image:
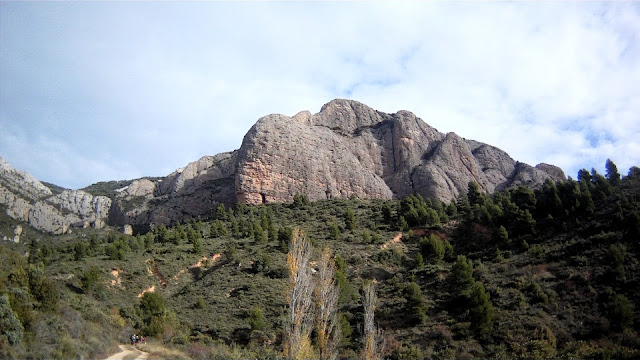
[(346, 115), (351, 149), (22, 182)]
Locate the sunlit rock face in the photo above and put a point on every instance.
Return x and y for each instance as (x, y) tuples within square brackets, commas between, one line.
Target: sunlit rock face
[(347, 149)]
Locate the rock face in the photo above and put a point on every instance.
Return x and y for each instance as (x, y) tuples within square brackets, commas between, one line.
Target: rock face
[(350, 149), (26, 199), (184, 194), (347, 149)]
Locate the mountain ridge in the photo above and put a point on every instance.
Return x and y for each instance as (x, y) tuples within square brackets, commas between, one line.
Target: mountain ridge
[(347, 149)]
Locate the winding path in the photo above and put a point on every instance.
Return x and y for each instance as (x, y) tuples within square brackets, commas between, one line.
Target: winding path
[(126, 351)]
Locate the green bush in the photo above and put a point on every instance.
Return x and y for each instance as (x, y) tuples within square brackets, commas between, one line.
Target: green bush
[(481, 312), (256, 318), (10, 325), (432, 248), (416, 306), (621, 314)]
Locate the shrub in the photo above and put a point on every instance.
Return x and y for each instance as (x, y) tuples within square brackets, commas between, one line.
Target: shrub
[(432, 248), (256, 319), (9, 323), (416, 305), (622, 312), (481, 312), (90, 279), (462, 274), (152, 304), (200, 303)]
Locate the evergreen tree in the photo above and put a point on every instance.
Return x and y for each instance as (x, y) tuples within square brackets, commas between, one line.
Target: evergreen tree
[(416, 305), (10, 325), (462, 275), (432, 248), (473, 194), (481, 312), (584, 174), (612, 173), (350, 220)]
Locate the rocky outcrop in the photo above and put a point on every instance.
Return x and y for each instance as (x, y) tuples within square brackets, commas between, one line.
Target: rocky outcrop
[(350, 149), (186, 193), (347, 149), (28, 200)]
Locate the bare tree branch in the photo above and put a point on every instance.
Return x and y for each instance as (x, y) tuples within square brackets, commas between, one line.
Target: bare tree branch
[(374, 342), (300, 299), (327, 295)]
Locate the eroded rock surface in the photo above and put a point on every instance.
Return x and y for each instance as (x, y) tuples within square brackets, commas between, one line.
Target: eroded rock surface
[(350, 149), (347, 149), (27, 199)]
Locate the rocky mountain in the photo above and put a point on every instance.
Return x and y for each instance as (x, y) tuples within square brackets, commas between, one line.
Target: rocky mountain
[(27, 199), (350, 149), (347, 149)]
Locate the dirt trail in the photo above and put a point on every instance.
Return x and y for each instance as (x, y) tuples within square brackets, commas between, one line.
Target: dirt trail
[(397, 239), (127, 352), (199, 264)]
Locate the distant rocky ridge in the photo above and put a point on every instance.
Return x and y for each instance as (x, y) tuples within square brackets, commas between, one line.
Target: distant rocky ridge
[(27, 199), (347, 149)]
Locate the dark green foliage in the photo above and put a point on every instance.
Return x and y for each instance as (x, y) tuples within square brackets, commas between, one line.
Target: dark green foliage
[(221, 212), (617, 255), (197, 246), (80, 250), (474, 195), (43, 289), (419, 262), (118, 250), (345, 329), (91, 279), (10, 325), (612, 173), (432, 248), (407, 352), (200, 303), (583, 174), (161, 233), (416, 306), (148, 240), (622, 312), (481, 311), (347, 292), (402, 224), (256, 319), (502, 236), (350, 219), (284, 237), (300, 200), (462, 274), (152, 304)]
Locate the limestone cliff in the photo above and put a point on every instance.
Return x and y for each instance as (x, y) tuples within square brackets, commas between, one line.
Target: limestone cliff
[(28, 200), (347, 149), (186, 193), (350, 149)]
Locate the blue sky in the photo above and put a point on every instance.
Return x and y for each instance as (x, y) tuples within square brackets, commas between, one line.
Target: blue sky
[(93, 91)]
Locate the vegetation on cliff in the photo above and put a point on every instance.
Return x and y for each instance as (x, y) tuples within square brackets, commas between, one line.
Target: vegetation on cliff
[(517, 274)]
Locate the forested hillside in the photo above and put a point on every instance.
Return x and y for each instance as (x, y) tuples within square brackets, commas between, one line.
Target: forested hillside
[(550, 273)]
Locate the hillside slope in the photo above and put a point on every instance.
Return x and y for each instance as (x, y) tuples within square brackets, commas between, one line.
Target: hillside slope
[(551, 273)]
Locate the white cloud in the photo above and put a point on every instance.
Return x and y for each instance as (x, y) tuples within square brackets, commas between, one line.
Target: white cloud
[(133, 89)]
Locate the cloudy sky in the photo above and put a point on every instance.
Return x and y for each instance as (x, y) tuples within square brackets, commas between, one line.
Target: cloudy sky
[(93, 91)]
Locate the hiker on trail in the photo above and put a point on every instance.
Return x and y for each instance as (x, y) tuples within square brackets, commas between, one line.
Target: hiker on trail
[(133, 339), (143, 339)]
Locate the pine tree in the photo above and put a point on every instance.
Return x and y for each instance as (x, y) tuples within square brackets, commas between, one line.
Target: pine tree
[(416, 305), (612, 173), (481, 311)]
